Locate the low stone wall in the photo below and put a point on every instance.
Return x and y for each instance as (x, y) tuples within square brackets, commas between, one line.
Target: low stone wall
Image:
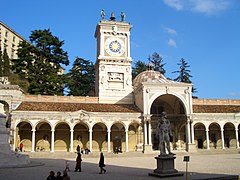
[(72, 99), (215, 102)]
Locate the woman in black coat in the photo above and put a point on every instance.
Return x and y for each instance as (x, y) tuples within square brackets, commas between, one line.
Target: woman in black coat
[(101, 164), (78, 163)]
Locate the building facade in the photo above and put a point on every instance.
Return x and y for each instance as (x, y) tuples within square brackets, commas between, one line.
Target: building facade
[(9, 40), (123, 115)]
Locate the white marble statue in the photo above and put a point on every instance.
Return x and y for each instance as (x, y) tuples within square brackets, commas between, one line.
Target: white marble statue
[(164, 132)]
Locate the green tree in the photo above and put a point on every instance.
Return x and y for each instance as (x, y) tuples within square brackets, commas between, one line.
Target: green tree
[(139, 66), (81, 78), (40, 63), (157, 62), (6, 63), (16, 80), (184, 73)]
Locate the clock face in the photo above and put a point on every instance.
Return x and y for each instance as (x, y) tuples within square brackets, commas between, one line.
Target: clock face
[(114, 46)]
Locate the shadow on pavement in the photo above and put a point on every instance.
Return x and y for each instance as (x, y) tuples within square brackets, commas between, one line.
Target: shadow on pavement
[(90, 171)]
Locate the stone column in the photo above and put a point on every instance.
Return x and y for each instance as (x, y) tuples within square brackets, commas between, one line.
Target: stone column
[(207, 138), (14, 139), (71, 140), (192, 130), (90, 139), (52, 140), (188, 132), (237, 138), (222, 136), (33, 140), (109, 140), (149, 133), (145, 133), (126, 132)]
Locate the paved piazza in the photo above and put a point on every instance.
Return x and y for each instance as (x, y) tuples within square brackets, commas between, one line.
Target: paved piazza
[(127, 166)]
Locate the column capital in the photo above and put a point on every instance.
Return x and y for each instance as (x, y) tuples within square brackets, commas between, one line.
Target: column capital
[(147, 117)]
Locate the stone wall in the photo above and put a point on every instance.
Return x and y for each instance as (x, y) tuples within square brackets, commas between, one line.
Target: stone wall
[(72, 99), (215, 102)]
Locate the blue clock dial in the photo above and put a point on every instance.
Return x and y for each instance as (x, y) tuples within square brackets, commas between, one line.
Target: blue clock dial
[(114, 46)]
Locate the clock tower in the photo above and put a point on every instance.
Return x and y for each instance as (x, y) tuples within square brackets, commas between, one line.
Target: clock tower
[(113, 64)]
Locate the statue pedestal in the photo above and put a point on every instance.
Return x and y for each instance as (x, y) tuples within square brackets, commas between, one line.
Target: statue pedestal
[(8, 157), (4, 136), (147, 149), (165, 167)]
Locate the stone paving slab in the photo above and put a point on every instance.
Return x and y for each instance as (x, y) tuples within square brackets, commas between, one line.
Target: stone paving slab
[(201, 166)]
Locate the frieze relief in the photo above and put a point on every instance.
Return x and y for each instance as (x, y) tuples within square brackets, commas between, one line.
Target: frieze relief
[(114, 76)]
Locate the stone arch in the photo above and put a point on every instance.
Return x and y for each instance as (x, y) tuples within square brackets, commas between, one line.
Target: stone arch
[(81, 135), (119, 122), (24, 135), (181, 141), (156, 95), (229, 135), (43, 136), (176, 112), (99, 138), (215, 135), (62, 136), (200, 135), (118, 137), (135, 136)]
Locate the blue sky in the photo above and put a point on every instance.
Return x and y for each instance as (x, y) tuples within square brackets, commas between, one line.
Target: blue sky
[(206, 33)]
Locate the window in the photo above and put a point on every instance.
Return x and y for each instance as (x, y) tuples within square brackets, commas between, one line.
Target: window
[(14, 38), (6, 34)]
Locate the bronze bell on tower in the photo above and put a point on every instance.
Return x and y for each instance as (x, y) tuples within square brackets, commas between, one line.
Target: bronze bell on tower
[(112, 18)]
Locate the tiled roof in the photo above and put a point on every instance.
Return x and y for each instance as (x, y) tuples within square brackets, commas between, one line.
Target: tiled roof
[(58, 106), (216, 108)]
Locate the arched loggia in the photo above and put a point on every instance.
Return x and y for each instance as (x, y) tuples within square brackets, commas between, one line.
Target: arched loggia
[(175, 110)]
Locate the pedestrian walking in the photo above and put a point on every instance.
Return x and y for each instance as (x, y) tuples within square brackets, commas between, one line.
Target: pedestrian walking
[(67, 166), (78, 163), (78, 149), (102, 164)]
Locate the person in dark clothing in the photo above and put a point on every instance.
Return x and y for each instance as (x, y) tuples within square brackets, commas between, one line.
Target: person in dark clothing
[(78, 163), (59, 177), (78, 149), (101, 164), (51, 176)]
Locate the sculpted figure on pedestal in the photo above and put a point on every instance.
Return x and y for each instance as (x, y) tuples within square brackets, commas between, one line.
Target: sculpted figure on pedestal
[(164, 132)]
